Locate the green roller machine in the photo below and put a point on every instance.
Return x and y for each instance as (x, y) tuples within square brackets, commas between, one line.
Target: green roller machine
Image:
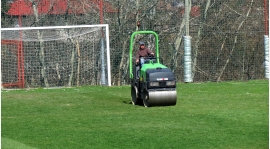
[(153, 84)]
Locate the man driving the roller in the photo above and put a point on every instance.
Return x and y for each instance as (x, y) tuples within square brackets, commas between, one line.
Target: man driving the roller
[(142, 53)]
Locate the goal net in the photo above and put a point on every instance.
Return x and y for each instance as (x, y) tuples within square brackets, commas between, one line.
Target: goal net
[(58, 56)]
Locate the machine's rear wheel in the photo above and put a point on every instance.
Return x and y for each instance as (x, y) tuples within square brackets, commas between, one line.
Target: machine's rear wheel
[(134, 99), (146, 99), (146, 103)]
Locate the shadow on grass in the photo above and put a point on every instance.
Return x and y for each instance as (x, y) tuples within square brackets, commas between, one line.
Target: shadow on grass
[(140, 103), (127, 102)]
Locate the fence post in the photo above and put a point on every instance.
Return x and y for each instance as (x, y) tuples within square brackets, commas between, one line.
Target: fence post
[(266, 56), (187, 46)]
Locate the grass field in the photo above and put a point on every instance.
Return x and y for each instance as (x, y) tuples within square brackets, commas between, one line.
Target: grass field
[(226, 115)]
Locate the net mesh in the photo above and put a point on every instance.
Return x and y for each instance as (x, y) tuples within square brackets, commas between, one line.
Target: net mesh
[(51, 34), (53, 57)]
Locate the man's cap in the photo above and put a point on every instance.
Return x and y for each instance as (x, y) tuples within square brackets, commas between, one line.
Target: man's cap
[(141, 43)]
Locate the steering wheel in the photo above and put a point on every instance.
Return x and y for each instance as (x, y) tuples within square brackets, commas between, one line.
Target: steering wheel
[(150, 57)]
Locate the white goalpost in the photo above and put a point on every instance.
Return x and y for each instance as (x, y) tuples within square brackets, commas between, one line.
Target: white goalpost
[(55, 56)]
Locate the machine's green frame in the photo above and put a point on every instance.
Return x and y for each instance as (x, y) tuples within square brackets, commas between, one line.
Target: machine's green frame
[(131, 48)]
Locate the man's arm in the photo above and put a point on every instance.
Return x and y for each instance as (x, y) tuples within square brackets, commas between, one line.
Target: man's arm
[(137, 57), (150, 52)]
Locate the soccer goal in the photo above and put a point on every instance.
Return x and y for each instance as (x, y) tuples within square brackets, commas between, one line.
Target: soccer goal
[(56, 56)]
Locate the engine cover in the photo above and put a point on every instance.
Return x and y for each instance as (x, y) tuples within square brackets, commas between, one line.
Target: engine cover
[(159, 74)]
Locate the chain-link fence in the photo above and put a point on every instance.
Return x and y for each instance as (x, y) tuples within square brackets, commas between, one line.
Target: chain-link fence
[(227, 36)]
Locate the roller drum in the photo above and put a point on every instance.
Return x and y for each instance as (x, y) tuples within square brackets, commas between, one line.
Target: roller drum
[(161, 98)]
